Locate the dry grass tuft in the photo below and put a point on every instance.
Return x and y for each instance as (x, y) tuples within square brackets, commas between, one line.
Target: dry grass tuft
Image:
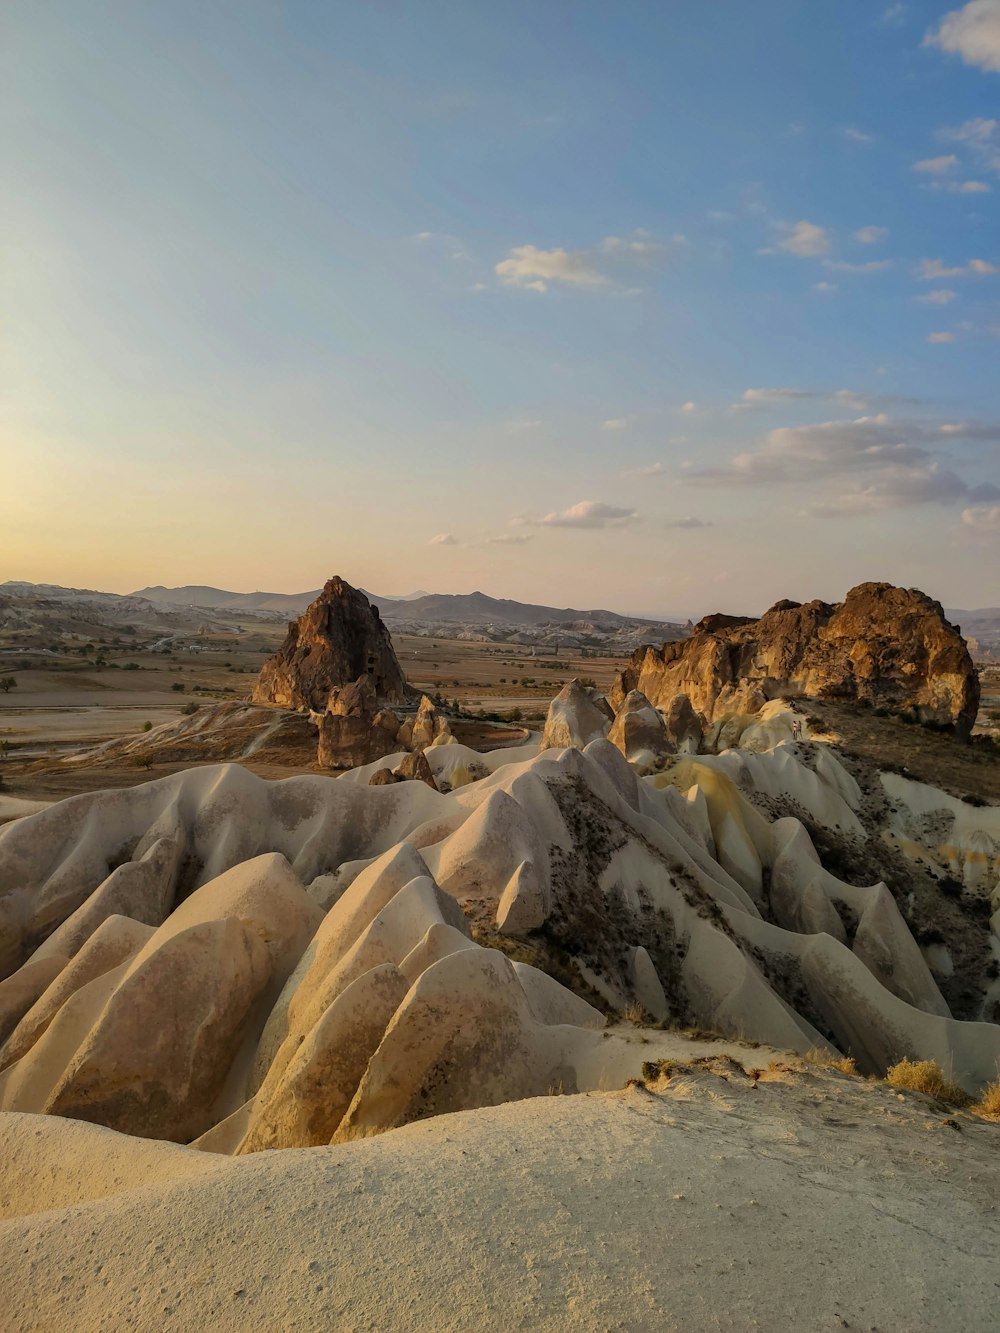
[(926, 1076), (989, 1104), (635, 1014), (826, 1060)]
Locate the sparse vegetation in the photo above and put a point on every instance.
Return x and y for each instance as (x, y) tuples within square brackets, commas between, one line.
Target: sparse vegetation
[(826, 1060), (7, 683), (928, 1077), (988, 1105)]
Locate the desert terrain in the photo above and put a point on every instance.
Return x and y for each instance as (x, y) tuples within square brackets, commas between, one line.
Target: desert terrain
[(410, 982)]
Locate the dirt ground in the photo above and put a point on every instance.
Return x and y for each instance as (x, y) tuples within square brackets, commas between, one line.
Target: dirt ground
[(499, 677), (66, 702), (928, 756)]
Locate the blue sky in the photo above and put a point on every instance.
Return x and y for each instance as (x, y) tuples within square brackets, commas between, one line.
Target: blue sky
[(666, 307)]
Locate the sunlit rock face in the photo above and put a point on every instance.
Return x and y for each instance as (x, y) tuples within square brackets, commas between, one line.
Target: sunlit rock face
[(336, 641), (887, 646)]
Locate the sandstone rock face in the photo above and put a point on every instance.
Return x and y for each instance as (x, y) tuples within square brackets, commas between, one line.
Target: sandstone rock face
[(638, 731), (338, 639), (574, 719), (888, 646), (683, 725), (427, 727), (349, 742)]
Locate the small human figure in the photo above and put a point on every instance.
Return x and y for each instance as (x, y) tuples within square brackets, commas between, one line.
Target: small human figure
[(796, 730)]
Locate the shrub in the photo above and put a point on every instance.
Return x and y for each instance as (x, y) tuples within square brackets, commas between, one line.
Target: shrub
[(147, 726), (190, 708), (177, 685), (926, 1076), (988, 1105)]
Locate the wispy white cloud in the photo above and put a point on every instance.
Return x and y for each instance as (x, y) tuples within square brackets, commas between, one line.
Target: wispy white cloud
[(940, 296), (529, 267), (519, 424), (894, 13), (871, 235), (826, 287), (534, 269), (588, 514), (858, 136), (872, 463), (806, 240), (959, 187), (443, 539), (975, 131), (930, 270), (972, 33), (442, 241), (687, 522), (852, 400), (943, 337), (980, 137), (869, 266), (510, 539), (650, 470), (983, 519), (689, 407), (615, 423), (937, 166)]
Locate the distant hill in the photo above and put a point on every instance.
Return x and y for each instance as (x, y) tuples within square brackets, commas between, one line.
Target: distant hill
[(218, 599), (474, 608), (982, 626)]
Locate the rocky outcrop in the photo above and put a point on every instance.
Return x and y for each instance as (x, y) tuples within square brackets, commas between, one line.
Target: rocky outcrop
[(886, 646), (426, 727), (683, 725), (574, 719), (336, 641), (638, 731)]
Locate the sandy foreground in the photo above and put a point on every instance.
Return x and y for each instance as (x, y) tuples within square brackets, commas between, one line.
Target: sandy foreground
[(807, 1200)]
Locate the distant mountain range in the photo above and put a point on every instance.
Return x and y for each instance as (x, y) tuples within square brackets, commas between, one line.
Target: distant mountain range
[(464, 615), (290, 603), (475, 608)]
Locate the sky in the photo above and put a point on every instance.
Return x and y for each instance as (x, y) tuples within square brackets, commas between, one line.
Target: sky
[(665, 308)]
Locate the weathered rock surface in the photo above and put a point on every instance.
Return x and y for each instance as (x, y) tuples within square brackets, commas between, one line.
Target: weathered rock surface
[(426, 728), (350, 742), (638, 731), (683, 725), (887, 646), (574, 719), (327, 975), (338, 639)]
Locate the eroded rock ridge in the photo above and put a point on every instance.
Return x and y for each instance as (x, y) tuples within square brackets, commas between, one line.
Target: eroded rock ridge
[(887, 646)]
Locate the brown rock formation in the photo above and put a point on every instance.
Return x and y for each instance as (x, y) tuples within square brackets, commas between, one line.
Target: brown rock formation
[(425, 727), (337, 640), (887, 646)]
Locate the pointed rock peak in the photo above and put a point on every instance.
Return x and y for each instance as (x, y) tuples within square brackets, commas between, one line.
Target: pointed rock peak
[(574, 719), (337, 640)]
